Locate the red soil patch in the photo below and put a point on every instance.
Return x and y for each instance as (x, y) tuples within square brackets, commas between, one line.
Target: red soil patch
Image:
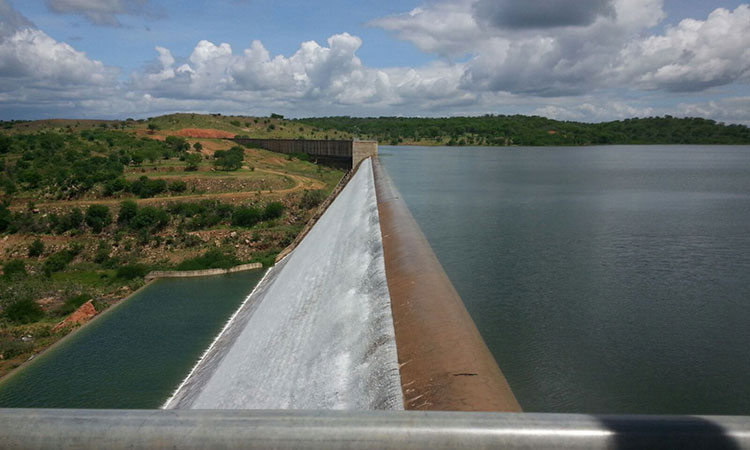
[(204, 133), (80, 316)]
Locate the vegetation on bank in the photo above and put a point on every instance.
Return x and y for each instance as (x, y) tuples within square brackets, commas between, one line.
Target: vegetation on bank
[(534, 130)]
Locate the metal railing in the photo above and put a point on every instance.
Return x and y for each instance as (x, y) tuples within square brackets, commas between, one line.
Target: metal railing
[(230, 429)]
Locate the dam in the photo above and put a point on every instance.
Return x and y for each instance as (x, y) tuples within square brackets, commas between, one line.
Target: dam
[(317, 332), (356, 317), (394, 336)]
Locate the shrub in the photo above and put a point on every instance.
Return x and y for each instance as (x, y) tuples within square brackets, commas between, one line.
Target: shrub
[(36, 248), (24, 311), (311, 199), (145, 187), (246, 216), (5, 217), (273, 210), (150, 217), (11, 349), (102, 253), (98, 217), (212, 259), (75, 248), (14, 268), (177, 186), (131, 271), (224, 210), (71, 221), (114, 186), (57, 262), (128, 211)]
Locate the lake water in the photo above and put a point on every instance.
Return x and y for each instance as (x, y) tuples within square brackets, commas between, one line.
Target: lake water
[(604, 279), (136, 355)]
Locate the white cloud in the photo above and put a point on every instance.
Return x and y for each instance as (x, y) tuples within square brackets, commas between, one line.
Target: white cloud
[(332, 74), (29, 56), (36, 71), (447, 28), (692, 56), (101, 12), (542, 49)]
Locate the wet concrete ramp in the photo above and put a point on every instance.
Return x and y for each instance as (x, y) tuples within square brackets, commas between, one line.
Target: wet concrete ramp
[(317, 332)]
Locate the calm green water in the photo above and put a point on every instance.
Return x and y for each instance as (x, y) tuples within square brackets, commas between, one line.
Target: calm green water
[(136, 355), (603, 279)]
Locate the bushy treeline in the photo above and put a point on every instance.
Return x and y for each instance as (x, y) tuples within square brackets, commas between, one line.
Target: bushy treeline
[(143, 187), (535, 130), (67, 165), (129, 216)]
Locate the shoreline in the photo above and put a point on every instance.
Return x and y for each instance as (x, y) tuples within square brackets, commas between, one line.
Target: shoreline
[(156, 274)]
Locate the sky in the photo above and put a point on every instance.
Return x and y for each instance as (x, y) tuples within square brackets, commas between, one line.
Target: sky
[(583, 60)]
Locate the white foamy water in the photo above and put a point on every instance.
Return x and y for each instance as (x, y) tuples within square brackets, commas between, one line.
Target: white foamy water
[(317, 332)]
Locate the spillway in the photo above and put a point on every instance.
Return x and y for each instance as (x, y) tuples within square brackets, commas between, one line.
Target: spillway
[(317, 332)]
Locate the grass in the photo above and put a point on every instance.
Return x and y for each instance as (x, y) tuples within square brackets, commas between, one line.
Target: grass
[(89, 278)]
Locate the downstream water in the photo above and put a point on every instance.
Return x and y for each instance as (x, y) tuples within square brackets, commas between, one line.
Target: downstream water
[(604, 279), (136, 355)]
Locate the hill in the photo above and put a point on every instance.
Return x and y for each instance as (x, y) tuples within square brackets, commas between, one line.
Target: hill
[(533, 130)]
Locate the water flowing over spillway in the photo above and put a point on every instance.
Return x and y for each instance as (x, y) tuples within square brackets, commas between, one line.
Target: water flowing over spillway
[(317, 332)]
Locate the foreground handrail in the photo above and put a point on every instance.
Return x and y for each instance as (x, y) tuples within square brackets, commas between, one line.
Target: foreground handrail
[(294, 429)]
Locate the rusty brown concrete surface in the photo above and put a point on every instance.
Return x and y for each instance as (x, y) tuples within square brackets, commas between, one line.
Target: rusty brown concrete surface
[(445, 364)]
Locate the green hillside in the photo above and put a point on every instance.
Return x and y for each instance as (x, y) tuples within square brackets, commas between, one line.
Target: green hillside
[(534, 130)]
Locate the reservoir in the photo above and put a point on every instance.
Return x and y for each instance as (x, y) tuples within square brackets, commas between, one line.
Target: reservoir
[(604, 279), (136, 355)]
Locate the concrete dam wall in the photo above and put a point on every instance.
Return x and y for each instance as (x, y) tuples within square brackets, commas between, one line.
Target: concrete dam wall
[(359, 316), (317, 332)]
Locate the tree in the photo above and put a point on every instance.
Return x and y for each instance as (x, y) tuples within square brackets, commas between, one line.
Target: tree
[(230, 159), (177, 143), (152, 127), (98, 217), (198, 146), (193, 161), (150, 217)]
